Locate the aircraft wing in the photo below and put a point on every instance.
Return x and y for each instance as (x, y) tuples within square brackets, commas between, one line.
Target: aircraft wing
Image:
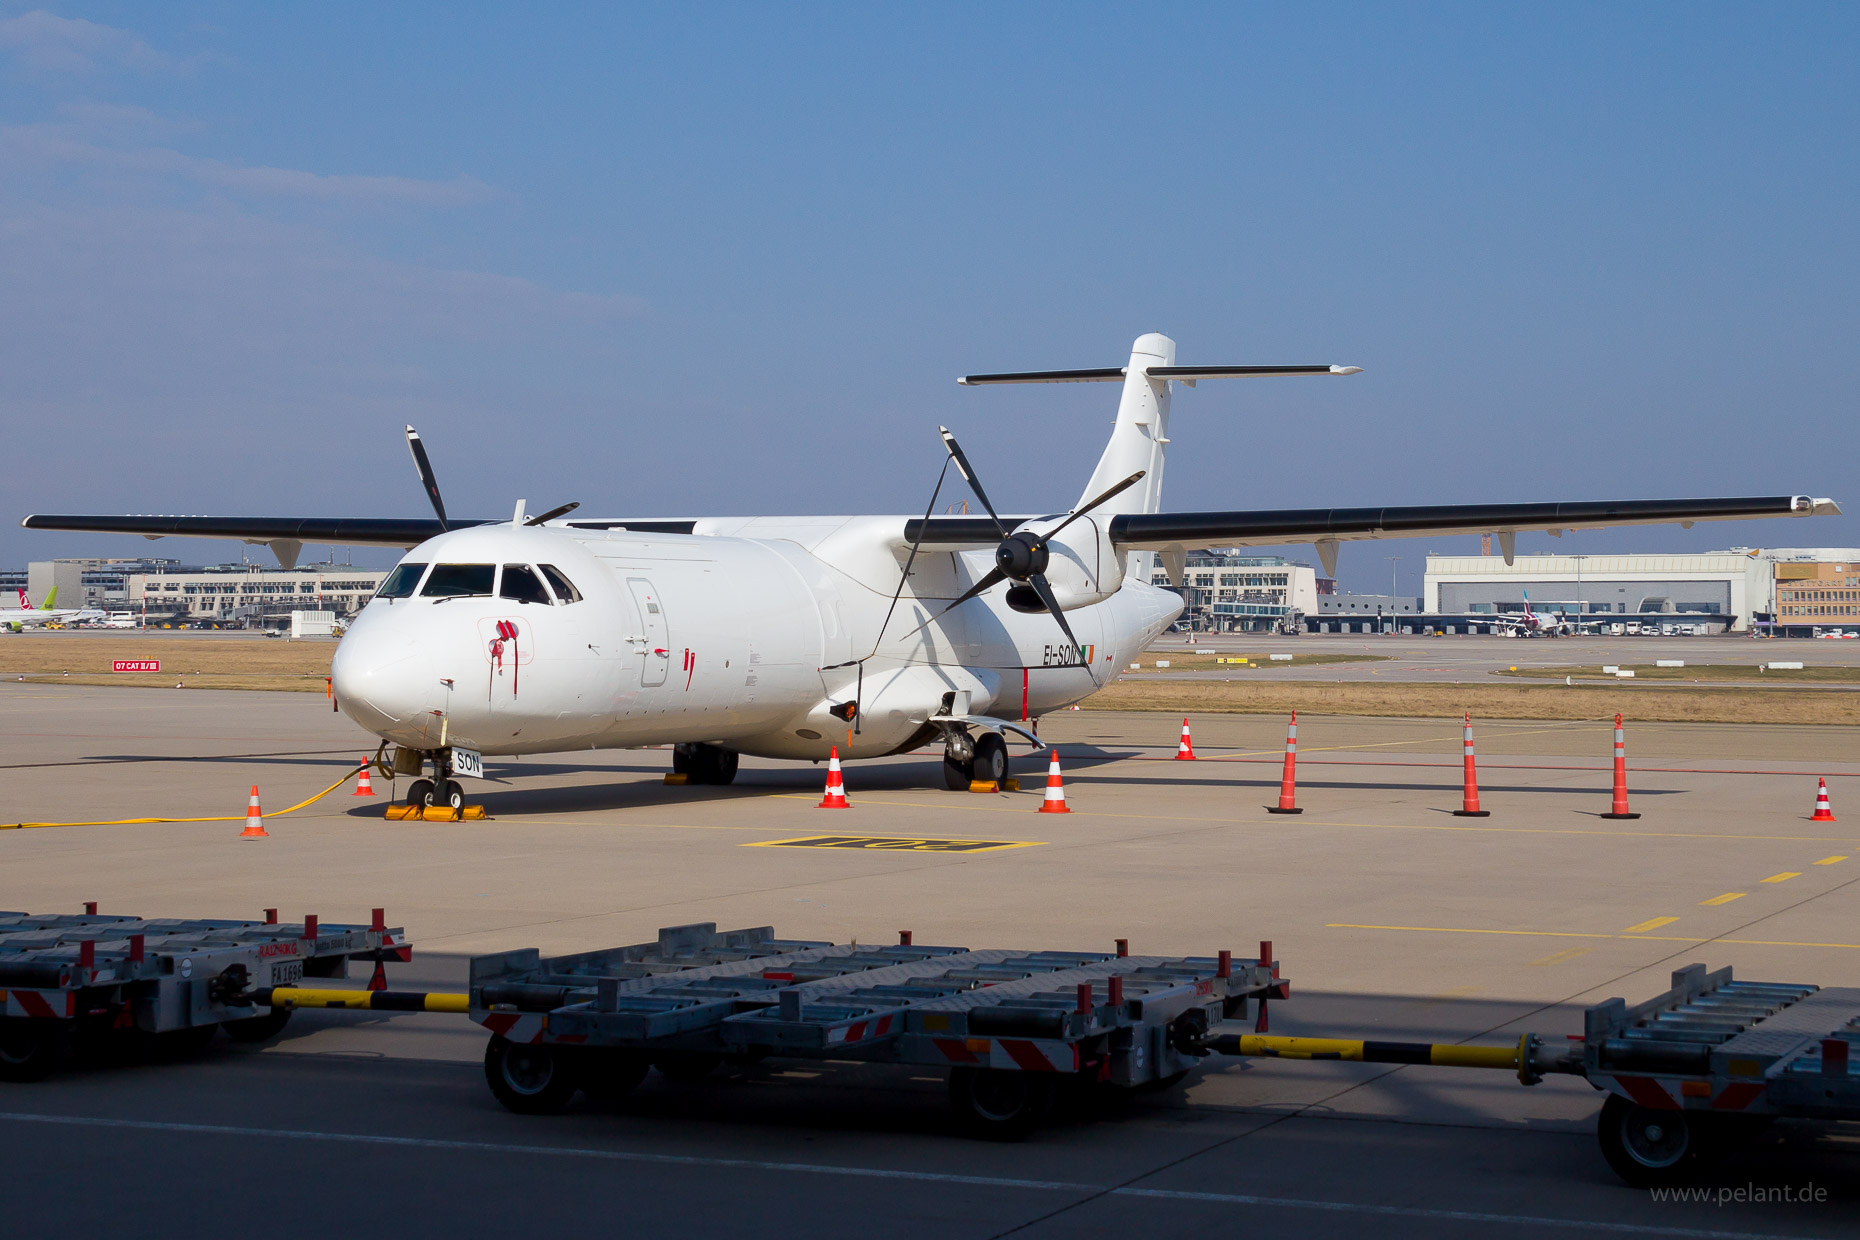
[(1163, 530), (343, 531)]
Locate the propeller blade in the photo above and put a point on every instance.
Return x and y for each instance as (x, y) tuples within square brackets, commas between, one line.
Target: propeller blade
[(968, 476), (994, 578), (426, 475), (553, 513), (1117, 490), (909, 561), (1045, 591)]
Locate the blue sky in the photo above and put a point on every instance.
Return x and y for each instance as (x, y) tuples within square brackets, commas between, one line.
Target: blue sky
[(729, 259)]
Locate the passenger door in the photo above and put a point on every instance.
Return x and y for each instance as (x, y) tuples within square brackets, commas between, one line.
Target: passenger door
[(653, 641)]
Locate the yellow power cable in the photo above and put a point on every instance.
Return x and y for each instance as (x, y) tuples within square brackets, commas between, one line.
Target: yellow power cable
[(130, 822)]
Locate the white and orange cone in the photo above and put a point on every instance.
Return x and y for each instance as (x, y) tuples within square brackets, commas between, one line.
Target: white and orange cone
[(1185, 752), (1823, 811), (836, 786), (1055, 802), (362, 787), (254, 819)]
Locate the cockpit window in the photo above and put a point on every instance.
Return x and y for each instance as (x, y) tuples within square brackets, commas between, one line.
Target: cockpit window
[(459, 580), (565, 591), (401, 581), (522, 585)]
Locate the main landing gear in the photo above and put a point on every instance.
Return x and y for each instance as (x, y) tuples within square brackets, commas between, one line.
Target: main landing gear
[(704, 764), (981, 759)]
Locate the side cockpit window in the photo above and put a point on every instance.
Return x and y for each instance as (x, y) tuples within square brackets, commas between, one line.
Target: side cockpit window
[(401, 581), (521, 584), (459, 580), (565, 591)]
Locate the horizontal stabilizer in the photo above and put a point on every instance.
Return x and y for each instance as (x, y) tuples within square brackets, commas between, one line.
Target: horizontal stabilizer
[(1188, 374)]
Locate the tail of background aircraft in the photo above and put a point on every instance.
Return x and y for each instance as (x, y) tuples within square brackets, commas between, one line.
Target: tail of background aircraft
[(50, 599)]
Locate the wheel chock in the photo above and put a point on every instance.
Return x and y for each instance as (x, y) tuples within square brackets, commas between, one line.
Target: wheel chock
[(435, 813)]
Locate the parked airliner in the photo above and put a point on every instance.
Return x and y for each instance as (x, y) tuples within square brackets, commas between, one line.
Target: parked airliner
[(781, 637)]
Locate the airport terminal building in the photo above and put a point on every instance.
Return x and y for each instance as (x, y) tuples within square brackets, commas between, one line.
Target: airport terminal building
[(1227, 592)]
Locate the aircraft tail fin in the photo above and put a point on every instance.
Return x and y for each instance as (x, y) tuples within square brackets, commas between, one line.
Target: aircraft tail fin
[(50, 599)]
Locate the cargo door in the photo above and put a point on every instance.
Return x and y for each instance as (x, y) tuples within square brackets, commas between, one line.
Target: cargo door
[(653, 641)]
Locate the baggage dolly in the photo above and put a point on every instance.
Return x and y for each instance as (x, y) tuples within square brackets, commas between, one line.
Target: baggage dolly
[(1008, 1024), (172, 981), (1691, 1074)]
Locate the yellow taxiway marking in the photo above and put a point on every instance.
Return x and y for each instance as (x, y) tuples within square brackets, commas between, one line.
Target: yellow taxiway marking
[(1726, 898), (1651, 924), (886, 843), (1573, 934), (1784, 877), (1830, 860), (1563, 957)]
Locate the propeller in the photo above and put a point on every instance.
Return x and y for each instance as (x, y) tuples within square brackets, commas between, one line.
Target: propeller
[(427, 479), (553, 513), (1021, 556)]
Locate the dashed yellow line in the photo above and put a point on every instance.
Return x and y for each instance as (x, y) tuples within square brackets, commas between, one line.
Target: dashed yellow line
[(1784, 877), (1830, 860), (1651, 924), (1726, 898), (1563, 957)]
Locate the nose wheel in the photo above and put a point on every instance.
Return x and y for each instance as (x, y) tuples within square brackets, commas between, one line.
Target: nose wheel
[(430, 794)]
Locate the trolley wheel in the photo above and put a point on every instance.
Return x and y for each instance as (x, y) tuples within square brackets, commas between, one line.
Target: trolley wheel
[(1000, 1105), (258, 1028), (991, 758), (957, 775), (29, 1049), (687, 1065), (529, 1078), (610, 1074), (1647, 1149), (418, 791)]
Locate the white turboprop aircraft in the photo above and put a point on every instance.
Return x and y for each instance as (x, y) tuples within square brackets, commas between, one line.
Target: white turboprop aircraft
[(783, 636)]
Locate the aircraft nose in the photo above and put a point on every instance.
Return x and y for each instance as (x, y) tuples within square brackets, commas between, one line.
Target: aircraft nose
[(383, 681)]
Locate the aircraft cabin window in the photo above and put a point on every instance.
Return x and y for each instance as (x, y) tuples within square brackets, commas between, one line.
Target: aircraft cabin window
[(565, 591), (522, 585), (459, 580), (399, 583)]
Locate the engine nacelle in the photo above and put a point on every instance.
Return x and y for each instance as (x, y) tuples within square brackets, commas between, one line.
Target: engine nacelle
[(1082, 566)]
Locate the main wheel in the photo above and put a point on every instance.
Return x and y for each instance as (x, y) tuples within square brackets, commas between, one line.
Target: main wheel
[(1000, 1105), (529, 1078), (29, 1048), (723, 767), (991, 758), (418, 791), (1647, 1149), (957, 775), (258, 1028)]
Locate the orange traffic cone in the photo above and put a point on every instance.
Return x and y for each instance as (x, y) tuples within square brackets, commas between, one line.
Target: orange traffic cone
[(1620, 809), (254, 819), (836, 787), (1288, 782), (1469, 807), (1055, 802), (362, 787), (1185, 752), (1823, 811)]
